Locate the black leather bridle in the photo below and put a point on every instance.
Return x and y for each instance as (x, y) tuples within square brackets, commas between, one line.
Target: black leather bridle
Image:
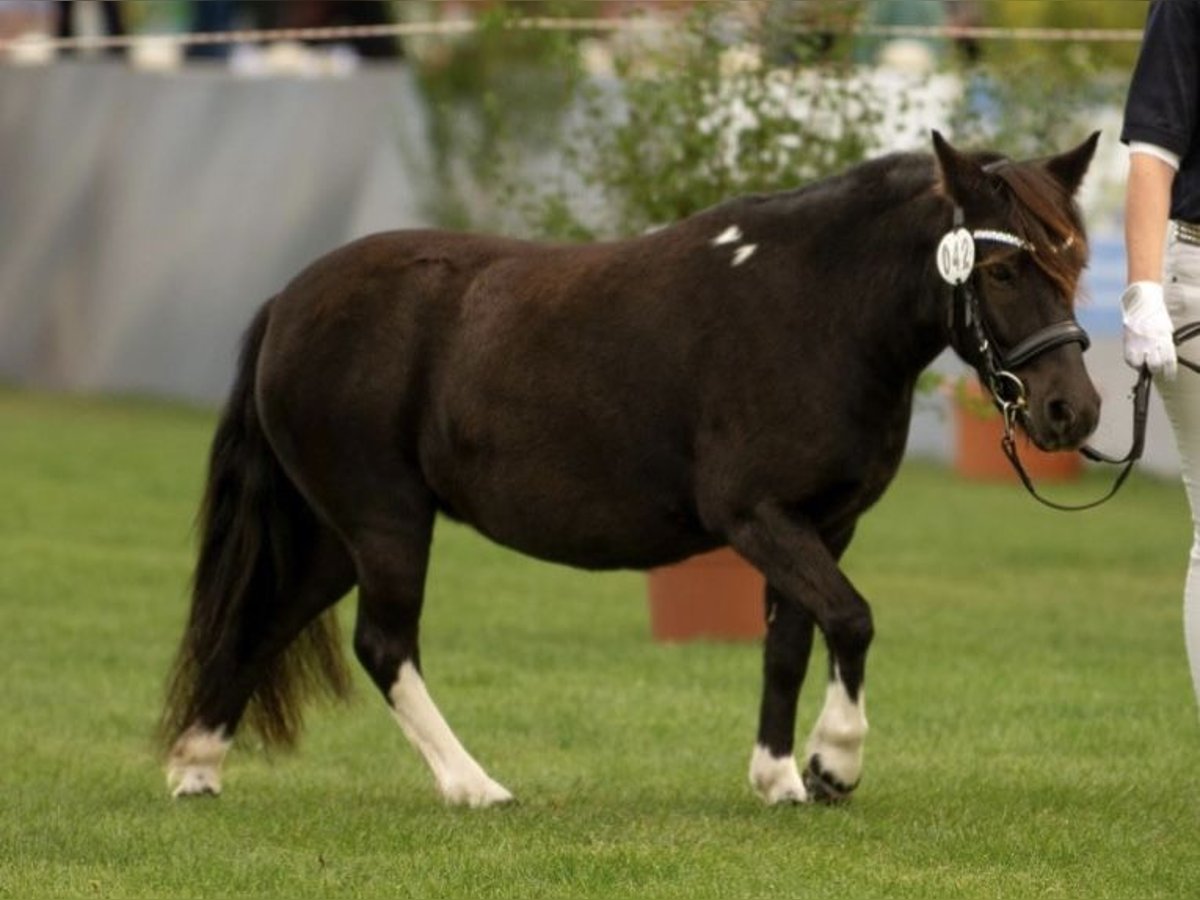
[(972, 340)]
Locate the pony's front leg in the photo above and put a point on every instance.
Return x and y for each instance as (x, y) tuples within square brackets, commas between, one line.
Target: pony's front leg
[(773, 772), (807, 585), (835, 745)]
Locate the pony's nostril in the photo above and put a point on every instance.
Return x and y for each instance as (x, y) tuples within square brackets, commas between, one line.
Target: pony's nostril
[(1061, 414)]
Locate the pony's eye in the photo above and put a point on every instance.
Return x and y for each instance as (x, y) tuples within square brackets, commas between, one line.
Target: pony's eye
[(1002, 273)]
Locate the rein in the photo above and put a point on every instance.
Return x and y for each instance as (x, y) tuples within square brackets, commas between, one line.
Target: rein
[(972, 340), (1141, 409), (1186, 333)]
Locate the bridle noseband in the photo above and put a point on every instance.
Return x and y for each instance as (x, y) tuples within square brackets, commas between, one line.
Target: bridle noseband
[(972, 340)]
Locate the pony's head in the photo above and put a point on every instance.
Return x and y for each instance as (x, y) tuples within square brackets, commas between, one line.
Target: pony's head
[(1014, 253)]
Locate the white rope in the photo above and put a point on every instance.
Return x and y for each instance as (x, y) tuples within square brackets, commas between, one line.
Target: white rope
[(460, 26), (333, 33), (987, 33)]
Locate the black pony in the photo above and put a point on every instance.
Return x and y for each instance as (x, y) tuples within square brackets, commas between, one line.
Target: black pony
[(744, 377)]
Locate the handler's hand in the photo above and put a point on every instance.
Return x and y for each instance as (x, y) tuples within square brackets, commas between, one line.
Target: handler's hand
[(1148, 334)]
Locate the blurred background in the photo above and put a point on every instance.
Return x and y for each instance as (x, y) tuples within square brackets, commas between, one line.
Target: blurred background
[(159, 178)]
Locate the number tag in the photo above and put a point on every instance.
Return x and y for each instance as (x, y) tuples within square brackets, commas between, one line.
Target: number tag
[(956, 256)]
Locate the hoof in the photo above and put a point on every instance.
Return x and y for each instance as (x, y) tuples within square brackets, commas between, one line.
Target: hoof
[(195, 782), (194, 766), (481, 795), (793, 795), (775, 779), (822, 786)]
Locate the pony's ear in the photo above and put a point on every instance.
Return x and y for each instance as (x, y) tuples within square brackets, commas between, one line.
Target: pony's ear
[(961, 175), (1069, 168)]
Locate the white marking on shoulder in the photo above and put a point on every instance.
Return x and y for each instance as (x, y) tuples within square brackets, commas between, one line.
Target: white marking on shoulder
[(743, 253), (728, 236)]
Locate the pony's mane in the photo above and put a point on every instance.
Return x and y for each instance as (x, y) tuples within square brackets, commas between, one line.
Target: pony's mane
[(1045, 214)]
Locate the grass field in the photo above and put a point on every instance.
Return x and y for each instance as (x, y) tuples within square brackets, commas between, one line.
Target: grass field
[(1033, 730)]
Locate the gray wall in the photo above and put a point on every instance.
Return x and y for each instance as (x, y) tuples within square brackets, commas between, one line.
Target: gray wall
[(143, 217)]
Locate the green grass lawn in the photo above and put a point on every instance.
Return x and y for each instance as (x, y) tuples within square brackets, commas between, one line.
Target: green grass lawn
[(1033, 732)]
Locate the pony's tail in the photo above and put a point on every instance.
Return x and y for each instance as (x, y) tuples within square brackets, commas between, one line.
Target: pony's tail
[(255, 528)]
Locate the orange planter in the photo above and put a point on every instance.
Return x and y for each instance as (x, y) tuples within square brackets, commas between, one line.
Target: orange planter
[(714, 596), (977, 454)]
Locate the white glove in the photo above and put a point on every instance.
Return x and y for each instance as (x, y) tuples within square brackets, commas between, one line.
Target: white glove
[(1149, 333)]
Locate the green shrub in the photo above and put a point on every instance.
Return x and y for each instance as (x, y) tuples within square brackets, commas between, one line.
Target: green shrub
[(725, 104)]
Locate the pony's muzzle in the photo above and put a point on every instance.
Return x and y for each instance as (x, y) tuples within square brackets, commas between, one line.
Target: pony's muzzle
[(1067, 422)]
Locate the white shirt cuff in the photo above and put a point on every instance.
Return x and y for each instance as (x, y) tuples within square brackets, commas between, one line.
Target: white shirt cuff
[(1171, 159)]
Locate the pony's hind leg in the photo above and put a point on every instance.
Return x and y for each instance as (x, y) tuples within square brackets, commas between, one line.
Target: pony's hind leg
[(246, 668), (267, 567), (392, 563)]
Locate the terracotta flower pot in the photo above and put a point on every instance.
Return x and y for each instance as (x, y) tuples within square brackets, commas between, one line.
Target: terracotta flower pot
[(977, 454), (712, 596)]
